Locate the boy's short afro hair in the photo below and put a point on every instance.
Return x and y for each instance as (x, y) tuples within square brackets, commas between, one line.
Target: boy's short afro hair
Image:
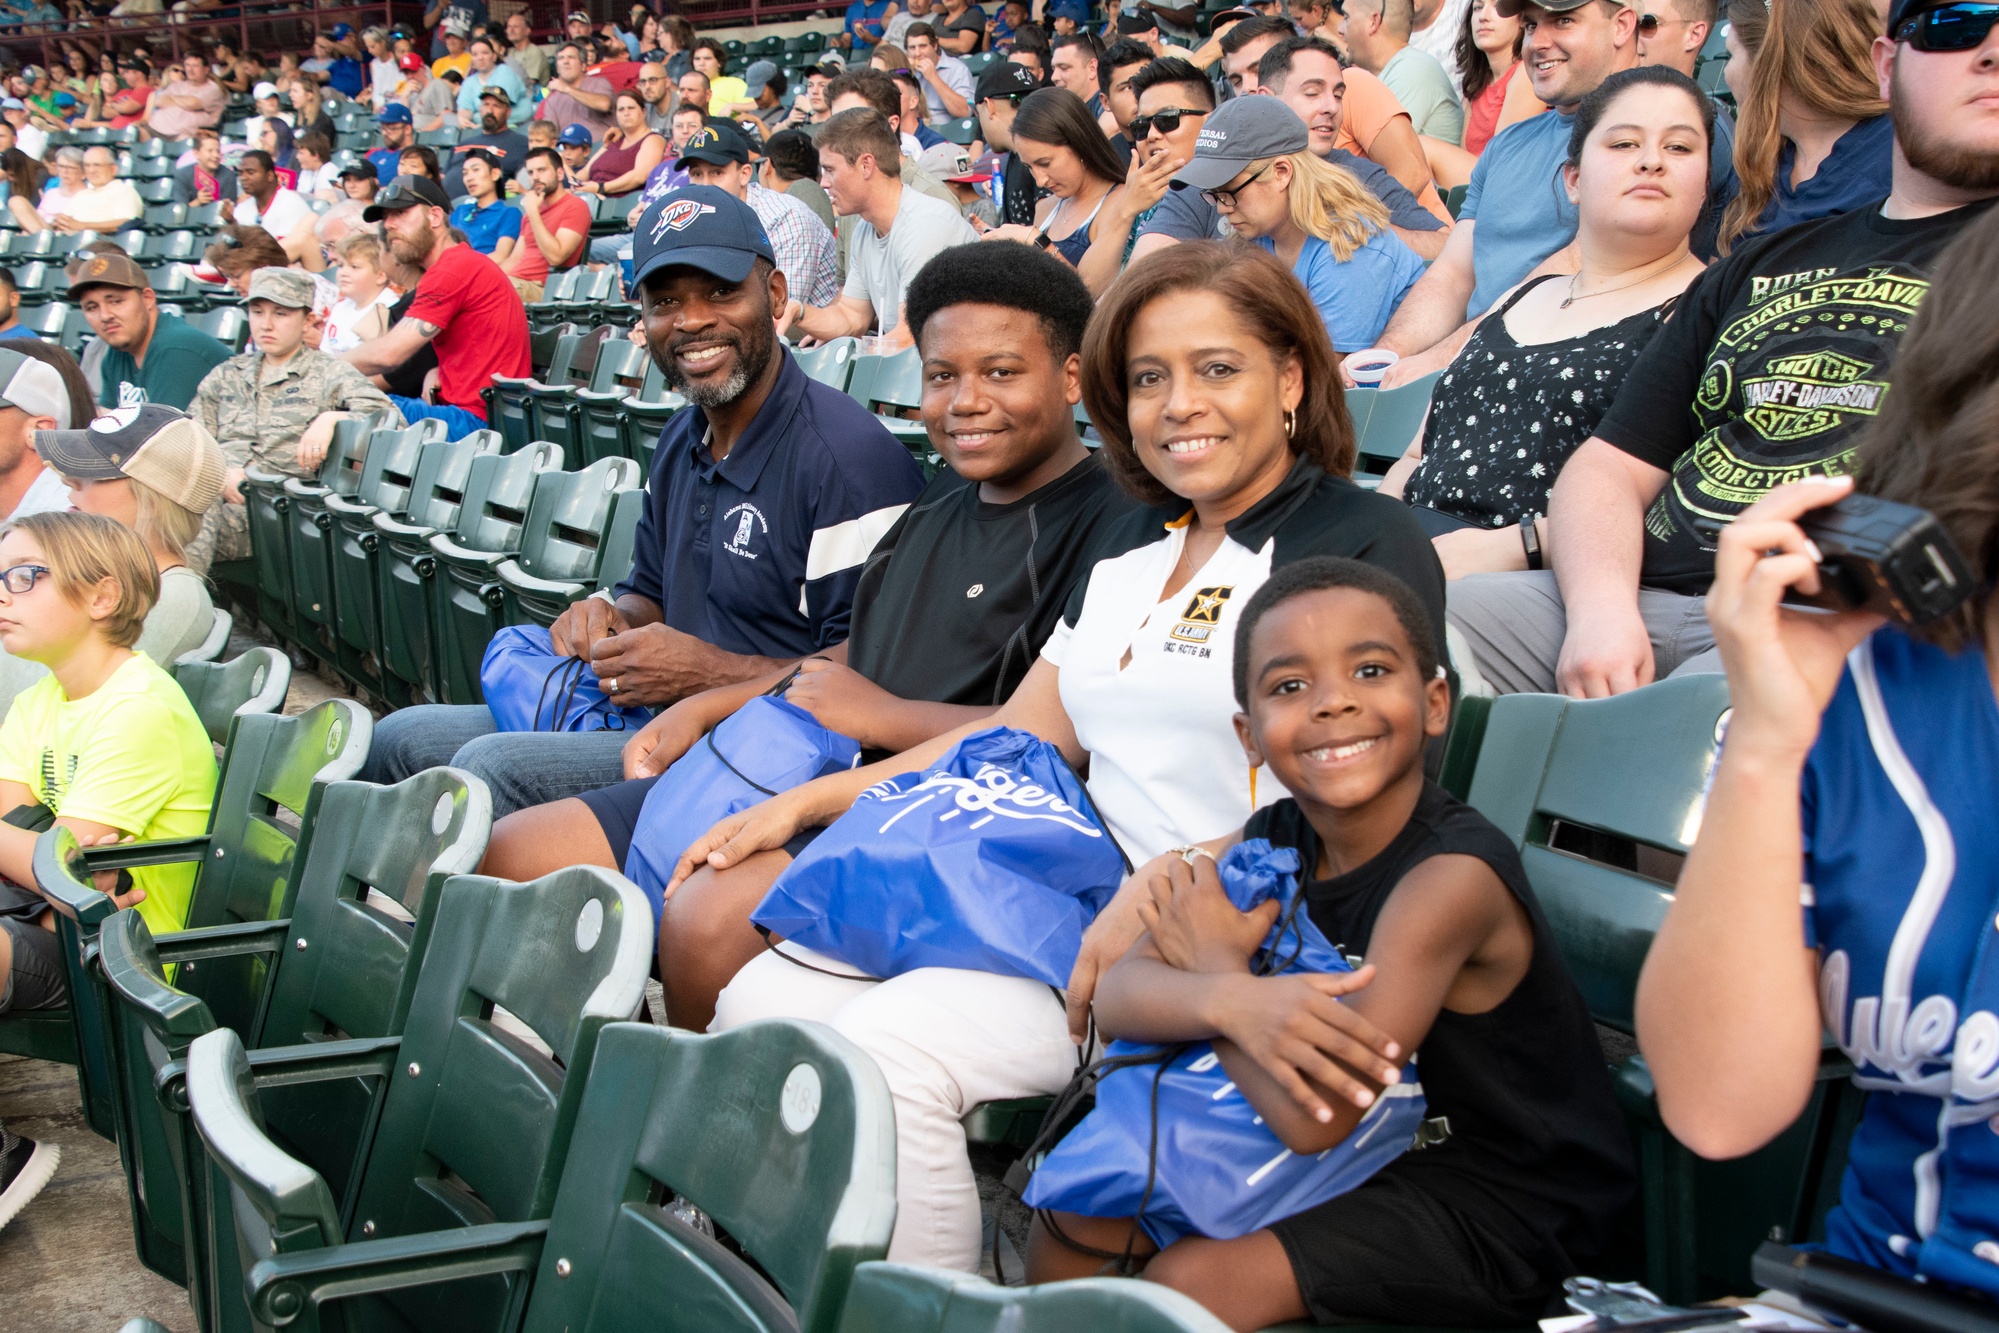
[(1004, 273), (1321, 572)]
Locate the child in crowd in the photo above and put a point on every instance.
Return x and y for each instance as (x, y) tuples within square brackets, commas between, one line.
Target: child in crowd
[(106, 743), (1337, 674), (362, 312)]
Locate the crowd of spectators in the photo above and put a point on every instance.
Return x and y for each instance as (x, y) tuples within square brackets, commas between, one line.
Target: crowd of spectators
[(1649, 300)]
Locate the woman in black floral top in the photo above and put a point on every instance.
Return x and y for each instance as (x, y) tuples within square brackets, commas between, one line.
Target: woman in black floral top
[(1544, 364)]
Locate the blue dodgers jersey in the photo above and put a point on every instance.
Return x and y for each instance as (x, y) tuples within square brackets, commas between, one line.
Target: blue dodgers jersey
[(1902, 901)]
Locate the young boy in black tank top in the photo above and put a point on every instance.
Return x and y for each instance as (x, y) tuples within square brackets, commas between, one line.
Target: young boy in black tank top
[(1341, 689)]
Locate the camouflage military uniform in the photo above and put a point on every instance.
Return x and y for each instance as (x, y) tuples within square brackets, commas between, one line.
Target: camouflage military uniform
[(257, 416)]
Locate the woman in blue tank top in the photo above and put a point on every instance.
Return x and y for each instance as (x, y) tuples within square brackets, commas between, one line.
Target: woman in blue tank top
[(1077, 173)]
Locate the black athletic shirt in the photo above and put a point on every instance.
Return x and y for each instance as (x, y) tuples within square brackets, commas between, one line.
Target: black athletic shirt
[(1537, 1151), (1771, 364), (958, 597)]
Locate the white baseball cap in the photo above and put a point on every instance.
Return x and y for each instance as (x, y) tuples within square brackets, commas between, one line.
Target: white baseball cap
[(264, 90), (35, 387)]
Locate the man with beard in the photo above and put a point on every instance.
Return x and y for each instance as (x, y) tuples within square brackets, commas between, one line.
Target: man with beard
[(465, 309), (762, 505), (509, 145), (1772, 362)]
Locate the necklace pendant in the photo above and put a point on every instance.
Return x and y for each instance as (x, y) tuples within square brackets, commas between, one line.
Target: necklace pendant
[(1568, 301)]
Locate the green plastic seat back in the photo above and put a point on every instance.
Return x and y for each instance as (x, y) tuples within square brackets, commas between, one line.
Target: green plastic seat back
[(280, 1205), (388, 477), (620, 366), (347, 453), (900, 1298), (1634, 767), (541, 347), (1386, 420), (437, 491), (253, 683), (268, 508), (476, 1123), (831, 363), (566, 524), (616, 556), (565, 353), (781, 1131), (498, 491), (898, 381)]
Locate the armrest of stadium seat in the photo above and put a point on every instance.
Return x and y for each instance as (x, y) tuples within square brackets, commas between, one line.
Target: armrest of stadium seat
[(153, 852), (284, 1286), (290, 1066), (1636, 1093), (230, 941), (509, 572)]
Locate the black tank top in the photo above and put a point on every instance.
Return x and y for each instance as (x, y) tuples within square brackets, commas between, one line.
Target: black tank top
[(1537, 1150)]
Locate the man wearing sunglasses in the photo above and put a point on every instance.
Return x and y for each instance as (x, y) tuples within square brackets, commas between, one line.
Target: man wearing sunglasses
[(1672, 33), (1773, 361)]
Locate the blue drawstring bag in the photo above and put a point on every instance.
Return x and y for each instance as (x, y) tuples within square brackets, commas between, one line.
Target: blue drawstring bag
[(530, 687), (767, 746), (1173, 1143), (990, 860)]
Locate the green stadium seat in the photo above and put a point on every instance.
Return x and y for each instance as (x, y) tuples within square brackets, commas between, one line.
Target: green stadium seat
[(254, 683), (900, 1298), (567, 527), (551, 402), (620, 372), (780, 1133), (614, 214), (205, 218), (310, 536), (832, 363), (268, 512), (404, 565), (961, 131), (269, 765), (1558, 776), (645, 417), (472, 1122), (541, 347), (48, 320), (507, 398), (1386, 420), (217, 642), (976, 62), (444, 136), (555, 294), (615, 558), (1454, 201), (227, 324), (335, 963), (387, 484), (164, 217), (734, 47), (465, 598), (595, 293), (896, 382)]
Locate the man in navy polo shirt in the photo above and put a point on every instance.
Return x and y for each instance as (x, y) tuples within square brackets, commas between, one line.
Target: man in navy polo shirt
[(398, 133), (761, 508)]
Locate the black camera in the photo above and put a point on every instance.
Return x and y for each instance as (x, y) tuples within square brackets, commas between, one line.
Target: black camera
[(1882, 556)]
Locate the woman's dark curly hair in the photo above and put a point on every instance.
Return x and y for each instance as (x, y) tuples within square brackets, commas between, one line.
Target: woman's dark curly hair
[(1268, 299), (1935, 443)]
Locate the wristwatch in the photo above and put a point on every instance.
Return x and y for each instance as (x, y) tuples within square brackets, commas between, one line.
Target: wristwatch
[(1530, 540), (1041, 241)]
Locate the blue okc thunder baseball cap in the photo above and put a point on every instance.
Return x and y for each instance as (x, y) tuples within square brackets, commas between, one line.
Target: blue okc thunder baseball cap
[(701, 227)]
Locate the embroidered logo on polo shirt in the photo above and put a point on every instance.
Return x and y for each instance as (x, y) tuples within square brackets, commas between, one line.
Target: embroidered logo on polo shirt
[(1203, 614), (749, 521), (975, 590)]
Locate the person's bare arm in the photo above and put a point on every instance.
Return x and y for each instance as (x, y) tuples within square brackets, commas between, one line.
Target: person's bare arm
[(961, 43), (1435, 306), (595, 101), (17, 845), (1727, 1006), (1145, 186), (1399, 149), (954, 101), (847, 317), (1596, 522), (1450, 165), (555, 245), (399, 344), (650, 153), (1427, 244), (503, 250)]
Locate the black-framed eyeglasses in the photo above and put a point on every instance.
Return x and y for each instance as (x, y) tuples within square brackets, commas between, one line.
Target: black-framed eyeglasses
[(21, 578), (1227, 197), (1958, 27), (1165, 120)]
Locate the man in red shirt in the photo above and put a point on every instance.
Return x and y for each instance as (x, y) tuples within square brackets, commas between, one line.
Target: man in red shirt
[(464, 308), (555, 226)]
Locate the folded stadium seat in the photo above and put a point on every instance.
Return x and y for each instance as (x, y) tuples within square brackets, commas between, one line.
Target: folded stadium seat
[(404, 565), (548, 311), (1384, 422), (646, 415), (268, 765), (1454, 201), (1557, 776), (961, 132), (897, 384), (226, 324), (153, 170), (150, 148), (975, 63), (135, 242), (47, 320), (217, 642), (614, 215), (832, 363), (472, 1121), (205, 218), (164, 216), (41, 245), (268, 513), (387, 485), (901, 1298), (619, 373), (171, 149), (444, 136), (779, 1135), (597, 297), (541, 347), (568, 526), (90, 137), (333, 963), (178, 245), (309, 541), (812, 41), (551, 401), (507, 396), (254, 682), (734, 47), (155, 189), (465, 600)]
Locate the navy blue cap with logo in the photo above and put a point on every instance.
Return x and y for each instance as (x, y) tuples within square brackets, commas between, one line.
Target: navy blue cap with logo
[(701, 227)]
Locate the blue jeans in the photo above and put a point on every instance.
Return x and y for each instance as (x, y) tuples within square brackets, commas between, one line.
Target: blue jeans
[(522, 768), (458, 423)]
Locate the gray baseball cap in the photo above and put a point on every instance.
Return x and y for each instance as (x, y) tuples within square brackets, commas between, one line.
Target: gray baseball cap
[(1243, 130)]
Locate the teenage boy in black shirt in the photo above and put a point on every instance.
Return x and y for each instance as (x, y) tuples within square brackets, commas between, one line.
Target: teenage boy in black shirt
[(952, 607), (1774, 360)]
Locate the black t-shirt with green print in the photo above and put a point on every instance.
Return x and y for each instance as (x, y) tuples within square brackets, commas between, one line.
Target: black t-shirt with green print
[(1782, 350)]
